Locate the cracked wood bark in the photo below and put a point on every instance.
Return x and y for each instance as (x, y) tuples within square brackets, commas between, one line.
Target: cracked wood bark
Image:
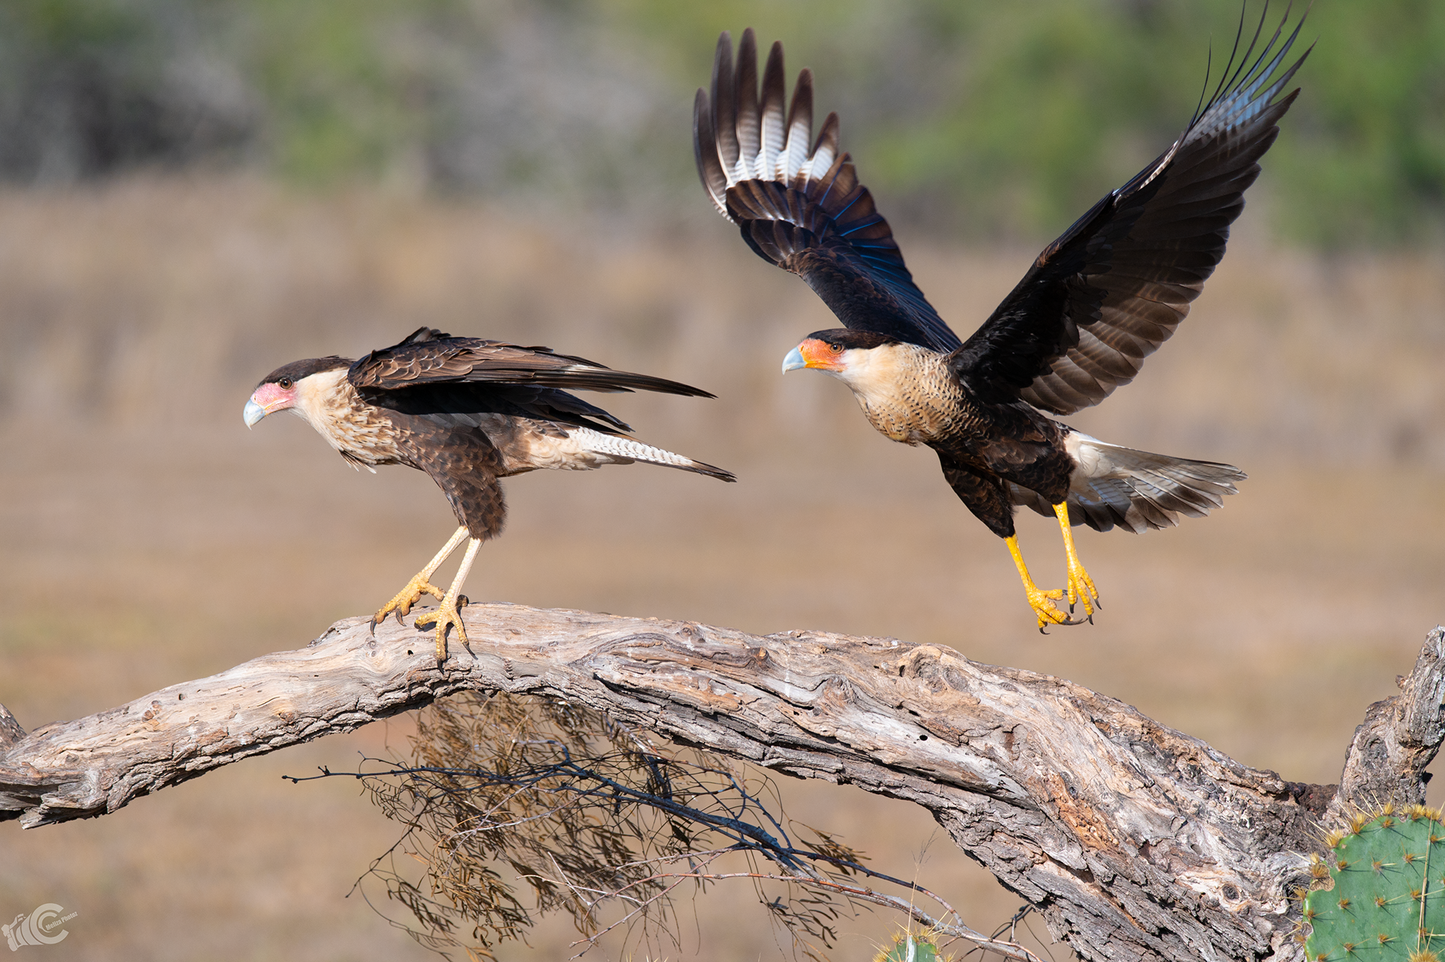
[(1133, 840)]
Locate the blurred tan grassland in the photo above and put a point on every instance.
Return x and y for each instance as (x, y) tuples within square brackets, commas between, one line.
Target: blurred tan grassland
[(146, 537)]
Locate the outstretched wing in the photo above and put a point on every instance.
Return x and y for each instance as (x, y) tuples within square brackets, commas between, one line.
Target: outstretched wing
[(429, 357), (1106, 294), (797, 200)]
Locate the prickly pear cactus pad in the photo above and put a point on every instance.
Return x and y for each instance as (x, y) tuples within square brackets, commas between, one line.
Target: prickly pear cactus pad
[(1388, 897)]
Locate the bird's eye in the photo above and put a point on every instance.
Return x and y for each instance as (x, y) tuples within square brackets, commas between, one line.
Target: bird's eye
[(836, 347), (285, 383)]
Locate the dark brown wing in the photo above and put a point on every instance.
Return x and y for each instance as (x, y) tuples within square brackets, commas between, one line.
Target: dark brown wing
[(798, 201), (1113, 288), (429, 357)]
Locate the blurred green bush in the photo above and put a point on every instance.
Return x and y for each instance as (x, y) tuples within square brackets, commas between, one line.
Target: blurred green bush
[(988, 121)]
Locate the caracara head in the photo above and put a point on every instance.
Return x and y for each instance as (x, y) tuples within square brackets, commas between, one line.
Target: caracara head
[(848, 355), (292, 387)]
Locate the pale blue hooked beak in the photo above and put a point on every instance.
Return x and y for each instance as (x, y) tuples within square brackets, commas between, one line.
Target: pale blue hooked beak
[(793, 361), (253, 413)]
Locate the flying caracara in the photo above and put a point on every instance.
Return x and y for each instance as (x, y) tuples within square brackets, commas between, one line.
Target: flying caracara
[(468, 412), (1093, 305)]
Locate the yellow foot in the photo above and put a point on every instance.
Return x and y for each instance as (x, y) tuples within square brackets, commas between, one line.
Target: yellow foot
[(403, 600), (1042, 602), (448, 613), (1081, 586), (1081, 589)]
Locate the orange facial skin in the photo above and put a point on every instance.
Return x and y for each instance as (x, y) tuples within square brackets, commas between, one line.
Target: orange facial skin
[(816, 354)]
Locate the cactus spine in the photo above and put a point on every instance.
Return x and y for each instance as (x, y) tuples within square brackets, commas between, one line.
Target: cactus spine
[(912, 947)]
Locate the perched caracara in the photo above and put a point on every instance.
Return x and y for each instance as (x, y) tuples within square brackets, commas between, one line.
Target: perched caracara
[(1094, 304), (468, 412)]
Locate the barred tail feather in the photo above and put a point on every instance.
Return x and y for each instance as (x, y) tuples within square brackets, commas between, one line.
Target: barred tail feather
[(1114, 485), (625, 450)]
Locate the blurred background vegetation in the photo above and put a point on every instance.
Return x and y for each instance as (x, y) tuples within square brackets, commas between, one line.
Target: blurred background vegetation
[(195, 191), (984, 122)]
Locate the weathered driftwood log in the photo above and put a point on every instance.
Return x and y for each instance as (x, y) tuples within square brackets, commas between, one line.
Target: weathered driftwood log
[(1134, 841)]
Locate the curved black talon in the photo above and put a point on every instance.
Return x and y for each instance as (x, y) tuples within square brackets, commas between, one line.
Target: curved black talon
[(1089, 618), (1066, 622)]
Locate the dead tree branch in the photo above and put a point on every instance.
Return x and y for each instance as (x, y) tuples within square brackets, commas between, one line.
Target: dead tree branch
[(1134, 841)]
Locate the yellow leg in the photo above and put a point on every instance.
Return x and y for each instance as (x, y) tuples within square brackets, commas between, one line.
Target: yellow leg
[(1081, 586), (449, 612), (1039, 600), (402, 601)]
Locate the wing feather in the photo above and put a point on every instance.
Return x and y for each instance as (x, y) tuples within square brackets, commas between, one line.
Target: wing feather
[(1117, 283), (429, 357), (803, 209), (771, 125), (800, 129)]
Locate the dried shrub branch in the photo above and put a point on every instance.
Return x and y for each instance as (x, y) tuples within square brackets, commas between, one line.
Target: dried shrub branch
[(587, 815)]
